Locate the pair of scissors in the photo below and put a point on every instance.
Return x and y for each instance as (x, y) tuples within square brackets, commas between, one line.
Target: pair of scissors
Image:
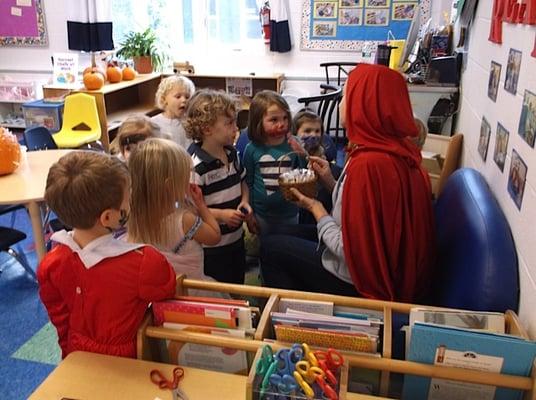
[(309, 372), (328, 391), (158, 378), (329, 361), (264, 362), (285, 384), (287, 359), (309, 355)]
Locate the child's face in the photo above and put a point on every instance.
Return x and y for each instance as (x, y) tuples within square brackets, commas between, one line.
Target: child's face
[(275, 122), (310, 128), (176, 101), (223, 131)]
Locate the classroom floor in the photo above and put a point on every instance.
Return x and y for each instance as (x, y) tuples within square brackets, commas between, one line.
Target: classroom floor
[(28, 343)]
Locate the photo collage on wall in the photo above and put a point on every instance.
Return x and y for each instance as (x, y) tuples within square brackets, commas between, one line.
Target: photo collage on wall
[(526, 129), (330, 16)]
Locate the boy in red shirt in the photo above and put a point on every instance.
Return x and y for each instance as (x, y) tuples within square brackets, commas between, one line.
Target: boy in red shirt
[(96, 289)]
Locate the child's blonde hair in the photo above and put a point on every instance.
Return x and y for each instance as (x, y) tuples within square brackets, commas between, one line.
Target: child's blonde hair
[(204, 108), (258, 107), (136, 128), (169, 83), (83, 184), (160, 173)]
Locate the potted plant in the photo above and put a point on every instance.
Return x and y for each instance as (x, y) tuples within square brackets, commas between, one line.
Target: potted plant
[(142, 48)]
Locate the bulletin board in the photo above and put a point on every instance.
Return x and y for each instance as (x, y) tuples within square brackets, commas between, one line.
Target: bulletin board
[(344, 25), (23, 23)]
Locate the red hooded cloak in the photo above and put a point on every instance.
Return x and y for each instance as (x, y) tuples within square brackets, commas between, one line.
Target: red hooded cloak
[(387, 219)]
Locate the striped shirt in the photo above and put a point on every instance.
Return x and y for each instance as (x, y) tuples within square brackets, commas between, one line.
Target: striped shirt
[(220, 184)]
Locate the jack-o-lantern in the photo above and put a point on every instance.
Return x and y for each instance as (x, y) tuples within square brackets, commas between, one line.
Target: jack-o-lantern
[(9, 152)]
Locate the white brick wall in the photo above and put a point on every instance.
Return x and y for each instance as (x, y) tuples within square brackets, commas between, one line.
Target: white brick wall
[(475, 104)]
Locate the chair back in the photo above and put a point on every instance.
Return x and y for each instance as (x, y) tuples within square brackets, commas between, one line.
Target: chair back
[(326, 105), (39, 138), (80, 108), (337, 72)]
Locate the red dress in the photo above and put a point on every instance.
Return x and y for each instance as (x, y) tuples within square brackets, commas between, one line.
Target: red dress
[(387, 219), (99, 308)]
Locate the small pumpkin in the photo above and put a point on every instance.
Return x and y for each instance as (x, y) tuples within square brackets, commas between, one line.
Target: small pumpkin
[(129, 74), (95, 69), (114, 74), (9, 152), (93, 80)]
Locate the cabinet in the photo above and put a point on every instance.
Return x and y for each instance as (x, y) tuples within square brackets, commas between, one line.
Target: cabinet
[(11, 115), (218, 82), (115, 101)]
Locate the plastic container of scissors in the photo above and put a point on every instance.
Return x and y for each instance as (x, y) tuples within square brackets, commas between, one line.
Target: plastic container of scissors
[(297, 372)]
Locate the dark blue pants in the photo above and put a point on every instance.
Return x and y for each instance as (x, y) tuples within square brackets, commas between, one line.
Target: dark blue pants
[(292, 261)]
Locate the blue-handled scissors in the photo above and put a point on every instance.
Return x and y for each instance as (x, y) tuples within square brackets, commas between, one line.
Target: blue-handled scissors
[(285, 384), (287, 359)]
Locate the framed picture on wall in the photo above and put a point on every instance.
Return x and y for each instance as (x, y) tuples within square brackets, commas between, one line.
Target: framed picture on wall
[(351, 3), (483, 141), (512, 71), (516, 178), (377, 16), (494, 78), (325, 9), (377, 3), (501, 145), (527, 121), (23, 23), (404, 11), (350, 16)]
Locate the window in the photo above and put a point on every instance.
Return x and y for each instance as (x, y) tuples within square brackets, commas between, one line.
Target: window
[(181, 24)]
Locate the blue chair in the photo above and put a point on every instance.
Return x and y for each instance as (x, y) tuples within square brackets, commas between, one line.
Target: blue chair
[(39, 138), (9, 237)]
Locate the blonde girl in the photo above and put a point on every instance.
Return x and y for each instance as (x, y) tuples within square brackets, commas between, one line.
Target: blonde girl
[(166, 210), (172, 98), (266, 156)]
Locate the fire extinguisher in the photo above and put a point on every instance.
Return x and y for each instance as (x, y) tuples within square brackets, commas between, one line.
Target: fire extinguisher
[(265, 21)]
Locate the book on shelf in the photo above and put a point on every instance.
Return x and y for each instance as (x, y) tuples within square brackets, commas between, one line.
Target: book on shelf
[(470, 349), (202, 313), (311, 306), (212, 358)]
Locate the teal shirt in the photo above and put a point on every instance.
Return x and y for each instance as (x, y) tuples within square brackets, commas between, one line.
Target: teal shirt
[(263, 166)]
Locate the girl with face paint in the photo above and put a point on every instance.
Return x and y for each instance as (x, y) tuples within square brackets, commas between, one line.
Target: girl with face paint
[(268, 155)]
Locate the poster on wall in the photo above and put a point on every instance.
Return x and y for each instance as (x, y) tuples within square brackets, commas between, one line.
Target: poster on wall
[(501, 145), (494, 78), (512, 71), (483, 141), (23, 23), (516, 178), (527, 121), (345, 25)]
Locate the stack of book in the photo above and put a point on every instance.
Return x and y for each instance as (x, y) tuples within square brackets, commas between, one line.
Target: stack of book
[(464, 339), (216, 316), (323, 324)]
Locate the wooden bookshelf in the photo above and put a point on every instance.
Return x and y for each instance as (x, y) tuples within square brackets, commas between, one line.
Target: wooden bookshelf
[(218, 81), (115, 101)]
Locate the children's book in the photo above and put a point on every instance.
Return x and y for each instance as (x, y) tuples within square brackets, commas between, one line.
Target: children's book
[(470, 349), (310, 306), (207, 357)]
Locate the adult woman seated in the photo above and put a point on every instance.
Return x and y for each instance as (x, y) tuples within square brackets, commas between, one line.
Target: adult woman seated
[(378, 243)]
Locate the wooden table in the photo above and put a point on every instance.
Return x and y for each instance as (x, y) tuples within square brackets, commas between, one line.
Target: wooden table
[(95, 376), (27, 186)]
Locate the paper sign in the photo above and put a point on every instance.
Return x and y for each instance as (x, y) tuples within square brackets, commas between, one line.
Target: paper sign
[(65, 68), (16, 11), (24, 3), (239, 86)]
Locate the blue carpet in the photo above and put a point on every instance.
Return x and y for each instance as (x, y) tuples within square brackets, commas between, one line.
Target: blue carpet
[(22, 316)]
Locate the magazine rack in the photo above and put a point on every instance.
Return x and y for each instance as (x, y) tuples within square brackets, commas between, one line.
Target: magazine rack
[(148, 335)]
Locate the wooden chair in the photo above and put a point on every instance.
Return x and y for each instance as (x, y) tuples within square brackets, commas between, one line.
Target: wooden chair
[(441, 157), (342, 70), (326, 105)]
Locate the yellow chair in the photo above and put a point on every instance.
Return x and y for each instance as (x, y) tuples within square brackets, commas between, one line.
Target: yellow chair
[(80, 122)]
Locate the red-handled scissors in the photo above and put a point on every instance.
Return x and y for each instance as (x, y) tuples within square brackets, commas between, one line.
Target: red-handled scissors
[(158, 378), (329, 392), (331, 359)]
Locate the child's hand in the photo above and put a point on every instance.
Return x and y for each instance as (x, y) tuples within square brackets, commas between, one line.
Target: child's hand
[(245, 208), (197, 196), (252, 224), (296, 146), (232, 218)]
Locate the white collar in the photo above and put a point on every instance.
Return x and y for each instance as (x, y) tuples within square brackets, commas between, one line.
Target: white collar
[(97, 250)]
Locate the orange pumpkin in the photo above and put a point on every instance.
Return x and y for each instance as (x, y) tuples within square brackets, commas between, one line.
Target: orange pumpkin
[(114, 74), (9, 152), (93, 80), (129, 74), (95, 69)]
